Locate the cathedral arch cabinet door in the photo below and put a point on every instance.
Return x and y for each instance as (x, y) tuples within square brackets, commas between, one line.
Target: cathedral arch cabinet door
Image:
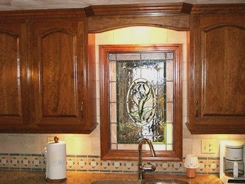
[(59, 73), (217, 74), (13, 77)]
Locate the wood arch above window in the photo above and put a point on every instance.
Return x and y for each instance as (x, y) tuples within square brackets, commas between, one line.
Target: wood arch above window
[(107, 23)]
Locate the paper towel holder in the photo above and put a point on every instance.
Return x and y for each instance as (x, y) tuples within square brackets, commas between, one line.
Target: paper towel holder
[(56, 169)]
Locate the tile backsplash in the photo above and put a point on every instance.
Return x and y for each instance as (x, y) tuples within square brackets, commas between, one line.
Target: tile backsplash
[(92, 163), (25, 151)]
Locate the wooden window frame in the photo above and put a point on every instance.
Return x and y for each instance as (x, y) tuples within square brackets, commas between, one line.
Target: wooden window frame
[(106, 152)]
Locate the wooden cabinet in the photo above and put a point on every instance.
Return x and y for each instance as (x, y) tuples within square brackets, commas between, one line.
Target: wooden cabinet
[(53, 88), (13, 76), (217, 74)]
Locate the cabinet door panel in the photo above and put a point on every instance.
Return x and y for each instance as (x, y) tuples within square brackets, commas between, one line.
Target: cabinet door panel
[(12, 75), (9, 81), (224, 71), (58, 81), (59, 73), (216, 95)]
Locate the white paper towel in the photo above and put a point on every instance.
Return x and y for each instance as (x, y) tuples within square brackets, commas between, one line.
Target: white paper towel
[(56, 161)]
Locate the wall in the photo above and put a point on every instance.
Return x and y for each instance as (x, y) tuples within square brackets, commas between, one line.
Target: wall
[(25, 151)]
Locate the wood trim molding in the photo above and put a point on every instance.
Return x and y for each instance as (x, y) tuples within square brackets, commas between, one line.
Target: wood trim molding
[(99, 24), (138, 9), (47, 13), (163, 9), (218, 8), (105, 129)]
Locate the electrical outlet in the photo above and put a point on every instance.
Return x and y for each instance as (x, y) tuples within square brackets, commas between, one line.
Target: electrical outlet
[(208, 146)]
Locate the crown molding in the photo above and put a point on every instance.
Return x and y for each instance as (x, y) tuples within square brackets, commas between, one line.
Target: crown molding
[(47, 13), (218, 8), (138, 9)]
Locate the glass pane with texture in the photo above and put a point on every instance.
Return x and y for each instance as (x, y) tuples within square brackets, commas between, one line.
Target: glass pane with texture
[(143, 93)]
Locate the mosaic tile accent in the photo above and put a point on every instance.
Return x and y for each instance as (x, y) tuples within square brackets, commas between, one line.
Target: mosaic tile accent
[(24, 162), (208, 165), (70, 163), (37, 161), (93, 163), (14, 160), (4, 161), (81, 163), (130, 166)]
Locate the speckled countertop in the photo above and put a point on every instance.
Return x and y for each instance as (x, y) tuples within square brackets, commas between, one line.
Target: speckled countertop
[(28, 177)]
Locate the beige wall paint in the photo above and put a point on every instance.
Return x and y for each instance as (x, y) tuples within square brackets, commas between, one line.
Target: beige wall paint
[(78, 144)]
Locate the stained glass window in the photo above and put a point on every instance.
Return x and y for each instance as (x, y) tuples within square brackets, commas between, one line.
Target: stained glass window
[(141, 98)]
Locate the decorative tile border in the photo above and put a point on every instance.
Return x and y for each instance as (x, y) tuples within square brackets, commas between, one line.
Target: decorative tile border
[(93, 163), (22, 162)]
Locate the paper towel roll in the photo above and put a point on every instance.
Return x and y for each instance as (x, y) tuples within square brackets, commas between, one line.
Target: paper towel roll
[(56, 161)]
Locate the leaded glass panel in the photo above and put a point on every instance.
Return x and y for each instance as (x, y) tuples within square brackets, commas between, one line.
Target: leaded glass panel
[(141, 98)]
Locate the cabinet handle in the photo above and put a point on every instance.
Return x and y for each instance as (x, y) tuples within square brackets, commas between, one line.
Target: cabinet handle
[(196, 108)]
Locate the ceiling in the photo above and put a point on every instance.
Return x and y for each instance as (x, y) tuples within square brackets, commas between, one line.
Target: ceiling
[(6, 5)]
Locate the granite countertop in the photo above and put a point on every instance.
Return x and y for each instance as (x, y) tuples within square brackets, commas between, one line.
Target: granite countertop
[(36, 177)]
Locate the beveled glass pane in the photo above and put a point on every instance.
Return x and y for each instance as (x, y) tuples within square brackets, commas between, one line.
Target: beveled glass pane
[(169, 133), (127, 146), (169, 112), (170, 147), (169, 94), (113, 133), (114, 146), (160, 147), (169, 55), (128, 56), (112, 68), (113, 97), (153, 56), (113, 112), (169, 74), (112, 56)]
